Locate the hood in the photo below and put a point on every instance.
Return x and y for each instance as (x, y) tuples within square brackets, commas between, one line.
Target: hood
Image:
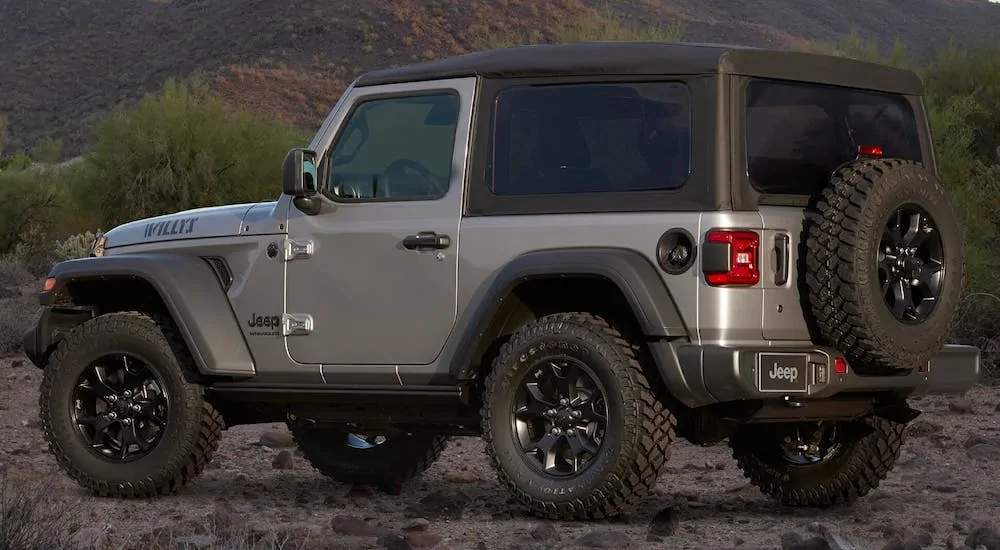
[(214, 221)]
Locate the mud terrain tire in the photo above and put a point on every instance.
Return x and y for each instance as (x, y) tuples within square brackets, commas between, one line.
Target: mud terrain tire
[(191, 428), (851, 473), (858, 268), (387, 465), (634, 447)]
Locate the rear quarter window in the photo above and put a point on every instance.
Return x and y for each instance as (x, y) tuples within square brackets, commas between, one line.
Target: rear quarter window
[(591, 138), (798, 134)]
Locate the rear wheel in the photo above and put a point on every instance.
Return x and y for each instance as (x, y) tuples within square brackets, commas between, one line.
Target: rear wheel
[(119, 415), (383, 461), (884, 264), (818, 464), (572, 424)]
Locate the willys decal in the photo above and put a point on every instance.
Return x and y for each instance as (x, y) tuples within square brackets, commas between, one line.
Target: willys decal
[(180, 226)]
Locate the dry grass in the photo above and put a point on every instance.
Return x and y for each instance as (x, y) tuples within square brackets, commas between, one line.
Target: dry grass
[(30, 518), (18, 306)]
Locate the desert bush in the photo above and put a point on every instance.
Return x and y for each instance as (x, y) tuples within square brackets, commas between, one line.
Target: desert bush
[(48, 150), (74, 246), (605, 25), (30, 518), (16, 162), (28, 204), (178, 149), (19, 312), (602, 24), (978, 324), (18, 308), (13, 272)]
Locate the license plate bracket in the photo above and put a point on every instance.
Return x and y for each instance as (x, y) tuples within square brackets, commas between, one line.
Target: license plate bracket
[(783, 372)]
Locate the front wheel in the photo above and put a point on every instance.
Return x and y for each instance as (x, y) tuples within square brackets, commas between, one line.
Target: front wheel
[(571, 422), (821, 464), (119, 415)]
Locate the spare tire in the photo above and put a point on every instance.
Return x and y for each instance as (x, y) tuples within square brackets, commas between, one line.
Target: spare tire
[(885, 261)]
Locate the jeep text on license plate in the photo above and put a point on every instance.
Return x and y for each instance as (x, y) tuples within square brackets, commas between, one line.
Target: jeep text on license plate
[(783, 372)]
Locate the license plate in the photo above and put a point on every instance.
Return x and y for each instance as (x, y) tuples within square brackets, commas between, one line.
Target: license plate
[(783, 373)]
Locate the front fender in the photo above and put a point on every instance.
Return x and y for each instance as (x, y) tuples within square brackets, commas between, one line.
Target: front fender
[(189, 289)]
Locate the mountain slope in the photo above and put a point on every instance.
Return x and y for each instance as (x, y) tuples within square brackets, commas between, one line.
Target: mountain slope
[(64, 61)]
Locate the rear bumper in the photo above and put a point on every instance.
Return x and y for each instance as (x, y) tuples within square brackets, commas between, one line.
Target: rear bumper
[(702, 375)]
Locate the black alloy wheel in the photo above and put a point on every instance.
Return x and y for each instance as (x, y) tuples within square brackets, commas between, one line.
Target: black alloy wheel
[(573, 426), (810, 465), (911, 264), (560, 417), (120, 411), (120, 407), (883, 265)]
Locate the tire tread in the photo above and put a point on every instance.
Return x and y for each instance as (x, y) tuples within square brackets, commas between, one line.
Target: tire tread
[(648, 440), (204, 431)]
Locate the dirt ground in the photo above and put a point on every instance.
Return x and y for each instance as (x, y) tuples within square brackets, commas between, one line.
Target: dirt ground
[(944, 493)]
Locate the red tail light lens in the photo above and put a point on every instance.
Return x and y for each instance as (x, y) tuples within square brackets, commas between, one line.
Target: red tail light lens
[(743, 253), (871, 151), (839, 366)]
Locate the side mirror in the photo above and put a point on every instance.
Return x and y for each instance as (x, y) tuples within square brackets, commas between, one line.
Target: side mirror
[(298, 173)]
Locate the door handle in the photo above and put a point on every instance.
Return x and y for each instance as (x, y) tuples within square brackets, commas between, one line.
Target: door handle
[(781, 269), (426, 240)]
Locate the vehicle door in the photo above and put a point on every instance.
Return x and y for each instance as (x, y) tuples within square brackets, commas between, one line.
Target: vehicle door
[(375, 280)]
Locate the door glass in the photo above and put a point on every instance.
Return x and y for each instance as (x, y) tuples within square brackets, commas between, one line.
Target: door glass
[(395, 148)]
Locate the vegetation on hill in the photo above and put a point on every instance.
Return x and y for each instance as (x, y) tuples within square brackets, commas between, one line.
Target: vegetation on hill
[(66, 64)]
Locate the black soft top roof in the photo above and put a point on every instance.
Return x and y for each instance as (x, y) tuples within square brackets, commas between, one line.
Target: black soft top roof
[(653, 58)]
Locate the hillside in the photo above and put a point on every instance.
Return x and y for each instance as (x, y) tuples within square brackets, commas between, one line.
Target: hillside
[(62, 62)]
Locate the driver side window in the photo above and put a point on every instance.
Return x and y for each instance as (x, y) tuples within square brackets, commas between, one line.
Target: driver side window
[(395, 148)]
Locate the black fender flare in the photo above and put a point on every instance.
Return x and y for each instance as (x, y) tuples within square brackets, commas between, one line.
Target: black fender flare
[(647, 294), (188, 287)]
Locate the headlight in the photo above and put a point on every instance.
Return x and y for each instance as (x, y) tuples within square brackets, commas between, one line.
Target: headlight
[(97, 247)]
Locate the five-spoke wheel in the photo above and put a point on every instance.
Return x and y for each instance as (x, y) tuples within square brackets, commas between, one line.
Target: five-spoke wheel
[(561, 416), (120, 407), (573, 425), (911, 264), (118, 411)]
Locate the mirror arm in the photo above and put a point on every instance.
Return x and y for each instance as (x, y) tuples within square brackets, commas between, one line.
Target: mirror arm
[(309, 206)]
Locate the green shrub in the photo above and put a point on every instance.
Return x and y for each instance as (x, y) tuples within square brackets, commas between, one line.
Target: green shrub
[(15, 163), (180, 149), (29, 203), (48, 150)]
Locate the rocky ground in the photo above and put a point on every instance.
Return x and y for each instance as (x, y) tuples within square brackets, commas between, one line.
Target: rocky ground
[(259, 492)]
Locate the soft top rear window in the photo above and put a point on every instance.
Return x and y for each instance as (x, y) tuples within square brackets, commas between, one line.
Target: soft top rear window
[(798, 134)]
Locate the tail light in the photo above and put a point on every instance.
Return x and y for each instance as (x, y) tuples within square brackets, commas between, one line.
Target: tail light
[(840, 365), (869, 151), (737, 258)]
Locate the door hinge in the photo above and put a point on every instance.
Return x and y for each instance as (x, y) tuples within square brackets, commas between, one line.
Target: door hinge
[(296, 324), (298, 248)]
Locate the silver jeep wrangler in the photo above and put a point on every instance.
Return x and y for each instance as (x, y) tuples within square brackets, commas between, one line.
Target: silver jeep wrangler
[(577, 252)]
